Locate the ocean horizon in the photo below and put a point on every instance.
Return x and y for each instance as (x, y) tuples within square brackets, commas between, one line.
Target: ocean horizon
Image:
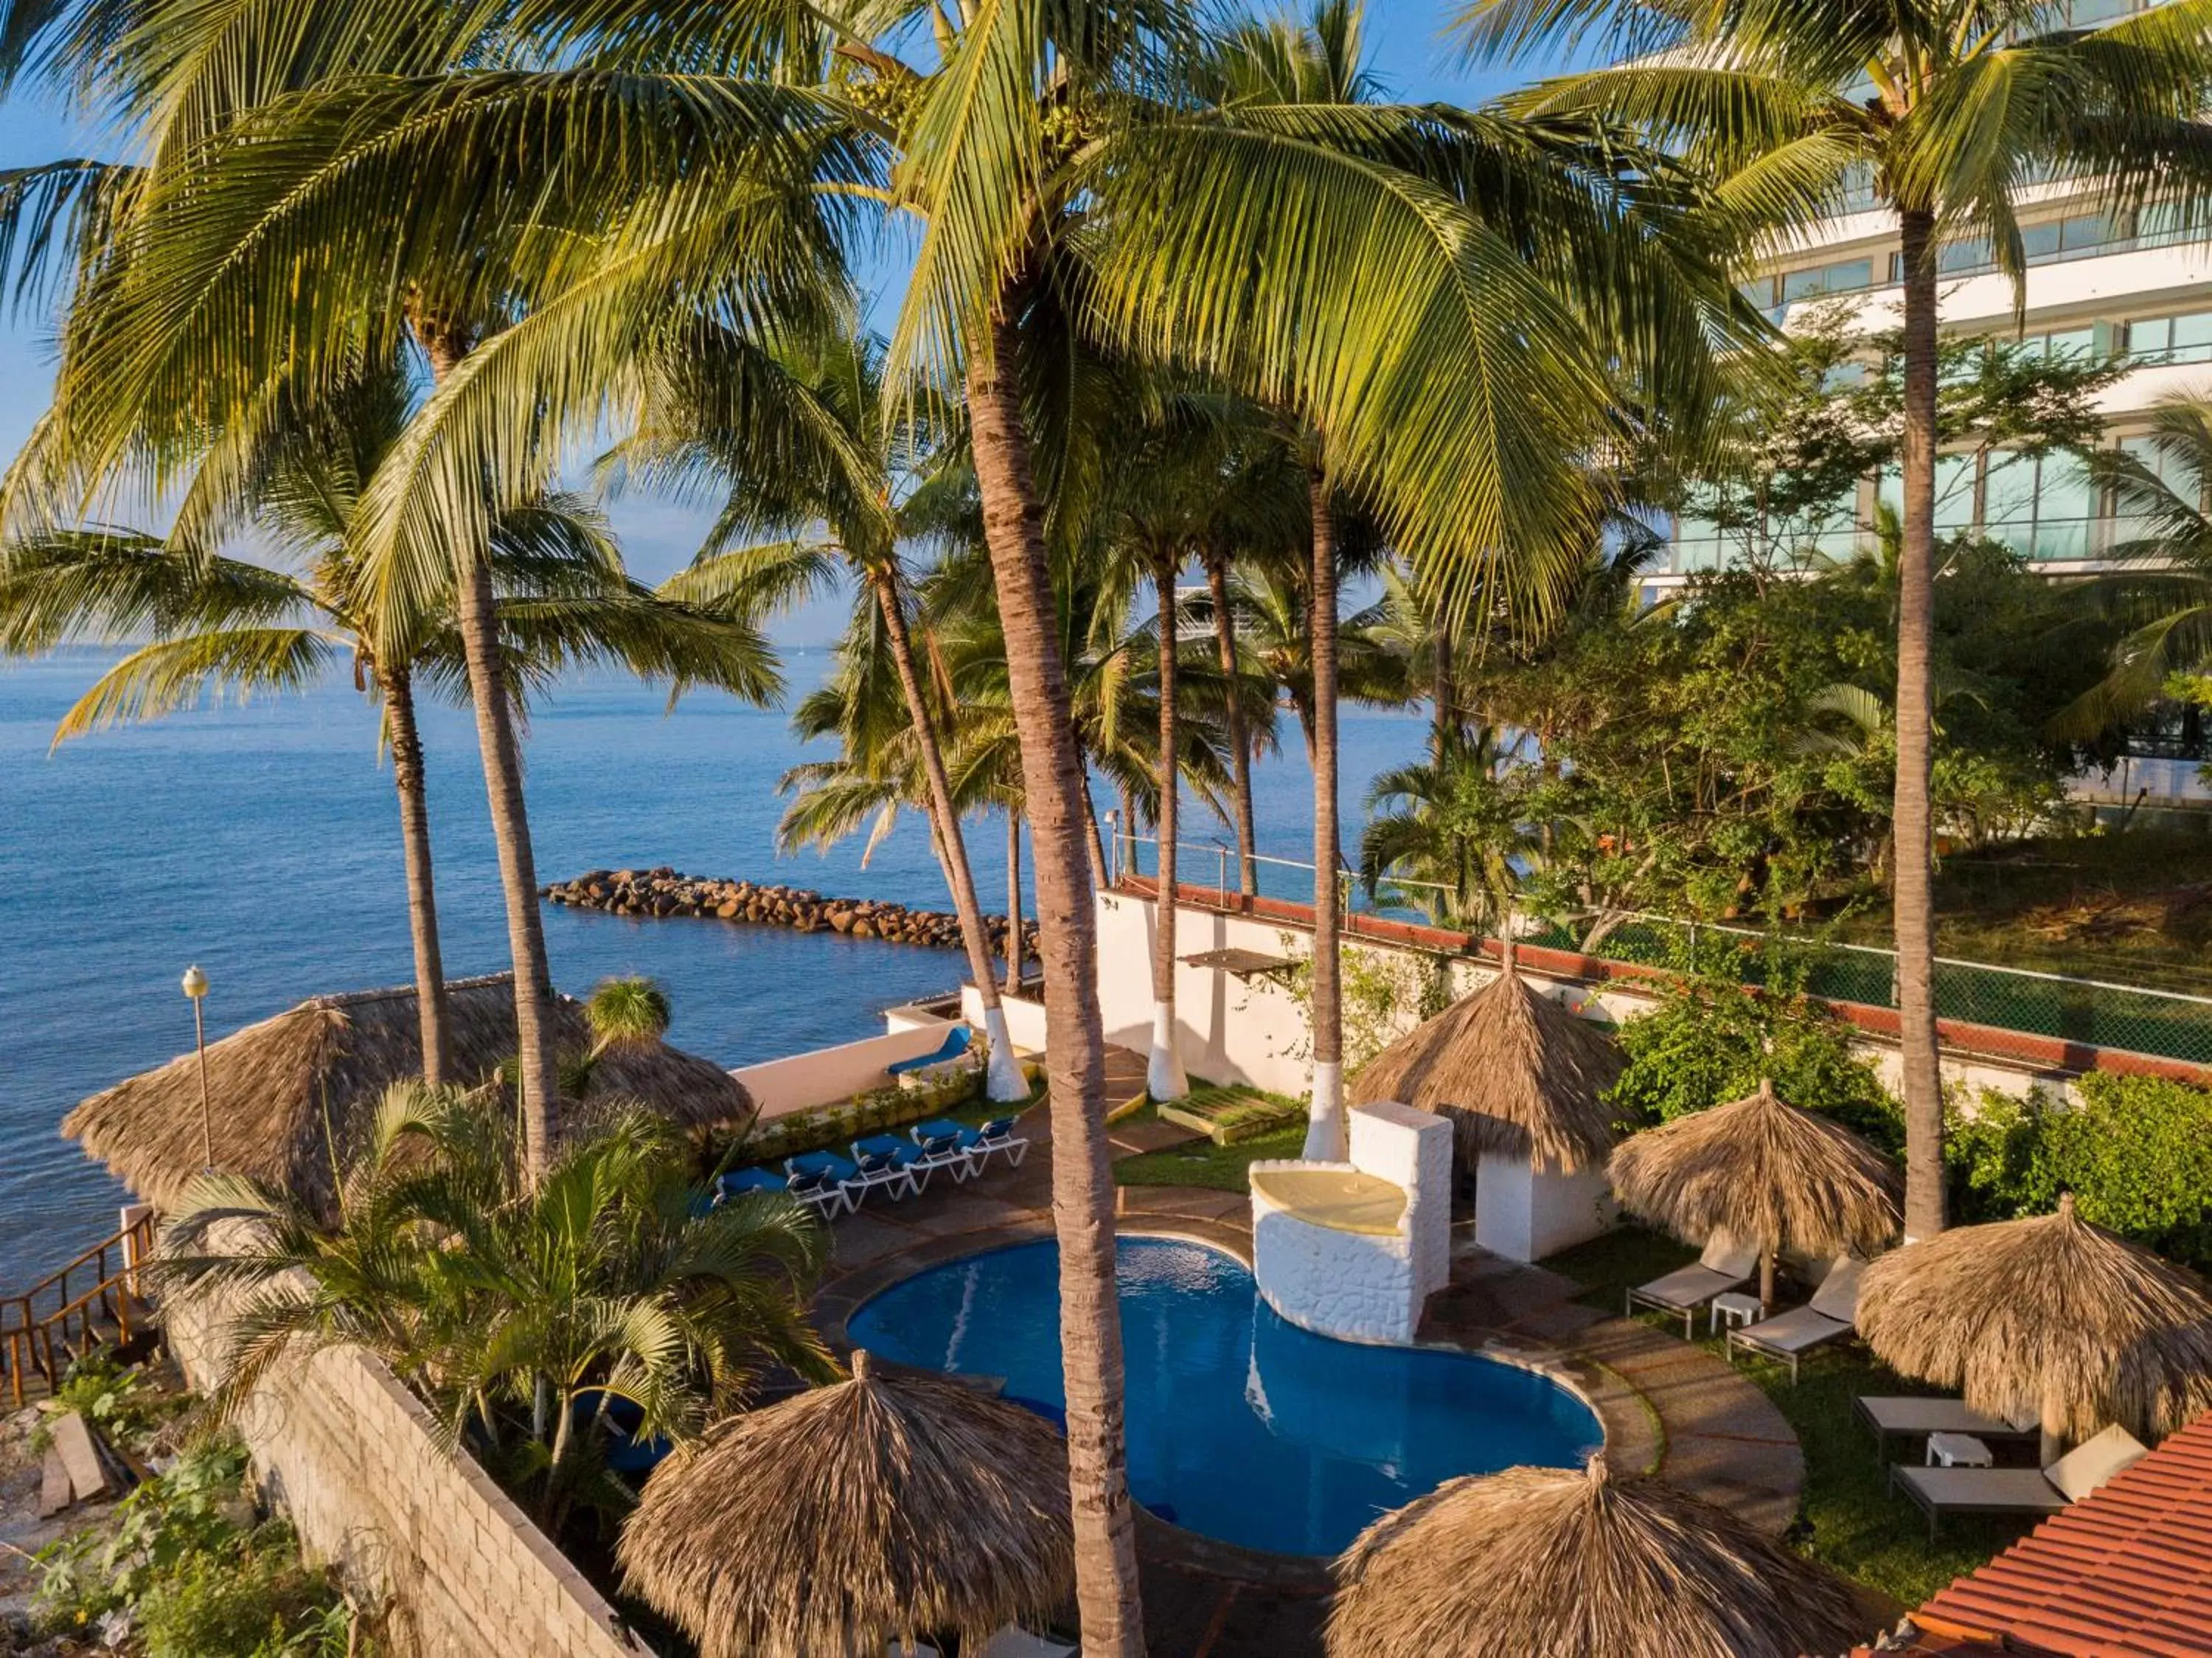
[(261, 844)]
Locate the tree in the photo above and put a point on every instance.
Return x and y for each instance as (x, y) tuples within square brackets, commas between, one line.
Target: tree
[(1945, 115), (798, 433), (518, 1309), (226, 627), (1455, 831)]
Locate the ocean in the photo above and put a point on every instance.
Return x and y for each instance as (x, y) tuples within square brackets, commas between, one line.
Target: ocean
[(261, 844)]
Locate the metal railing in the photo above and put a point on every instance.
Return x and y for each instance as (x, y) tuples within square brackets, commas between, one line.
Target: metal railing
[(2090, 1012)]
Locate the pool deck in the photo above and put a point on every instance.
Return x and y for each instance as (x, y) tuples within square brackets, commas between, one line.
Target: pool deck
[(1665, 1403)]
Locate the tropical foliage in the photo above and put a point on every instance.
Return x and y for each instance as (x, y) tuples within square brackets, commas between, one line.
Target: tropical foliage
[(523, 1312)]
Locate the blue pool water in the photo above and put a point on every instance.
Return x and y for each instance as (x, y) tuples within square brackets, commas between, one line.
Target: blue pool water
[(1241, 1426)]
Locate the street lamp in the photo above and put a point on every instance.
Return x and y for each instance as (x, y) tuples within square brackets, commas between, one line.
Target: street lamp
[(196, 987)]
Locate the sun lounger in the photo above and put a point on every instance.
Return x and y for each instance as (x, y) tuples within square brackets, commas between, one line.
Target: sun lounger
[(1723, 1266), (940, 1145), (1902, 1417), (1940, 1492), (998, 1135), (955, 1045), (885, 1162), (1829, 1316), (744, 1182), (822, 1192)]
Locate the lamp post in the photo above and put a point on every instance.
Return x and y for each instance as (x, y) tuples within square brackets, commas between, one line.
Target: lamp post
[(196, 987)]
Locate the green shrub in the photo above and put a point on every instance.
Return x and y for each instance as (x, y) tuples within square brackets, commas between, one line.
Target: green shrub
[(2135, 1152), (1710, 1040), (835, 1127), (190, 1567)]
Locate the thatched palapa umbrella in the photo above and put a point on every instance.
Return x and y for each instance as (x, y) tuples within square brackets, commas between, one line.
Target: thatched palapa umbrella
[(293, 1094), (1569, 1563), (1516, 1073), (2049, 1315), (1760, 1170), (900, 1504)]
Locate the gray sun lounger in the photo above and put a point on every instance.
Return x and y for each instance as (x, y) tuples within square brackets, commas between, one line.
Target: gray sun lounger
[(1723, 1266), (1900, 1417), (1829, 1316), (1939, 1491)]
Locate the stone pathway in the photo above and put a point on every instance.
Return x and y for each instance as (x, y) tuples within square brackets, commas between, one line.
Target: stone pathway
[(1665, 1403)]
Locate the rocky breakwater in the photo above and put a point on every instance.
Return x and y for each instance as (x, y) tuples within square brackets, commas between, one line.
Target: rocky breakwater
[(666, 892)]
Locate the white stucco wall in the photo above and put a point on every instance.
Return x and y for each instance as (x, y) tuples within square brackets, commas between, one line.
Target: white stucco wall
[(1025, 1017), (1525, 1213), (1255, 1031), (799, 1081)]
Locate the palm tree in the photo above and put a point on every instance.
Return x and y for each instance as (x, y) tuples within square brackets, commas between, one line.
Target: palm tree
[(519, 1310), (2163, 597), (228, 628), (799, 432), (1454, 831), (1947, 114), (1454, 352)]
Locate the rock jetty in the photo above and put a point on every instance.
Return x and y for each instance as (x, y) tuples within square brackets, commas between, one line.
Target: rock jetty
[(666, 892)]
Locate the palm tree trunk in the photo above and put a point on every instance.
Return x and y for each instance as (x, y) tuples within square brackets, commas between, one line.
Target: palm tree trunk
[(1013, 900), (1004, 1081), (1240, 739), (1443, 689), (422, 889), (1325, 1138), (1108, 1598), (1096, 843), (1914, 904), (1164, 1074), (477, 609)]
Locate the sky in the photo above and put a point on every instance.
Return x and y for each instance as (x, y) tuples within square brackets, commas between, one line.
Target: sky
[(1402, 41)]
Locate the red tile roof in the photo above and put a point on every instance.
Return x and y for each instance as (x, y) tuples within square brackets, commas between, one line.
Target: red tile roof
[(2124, 1573)]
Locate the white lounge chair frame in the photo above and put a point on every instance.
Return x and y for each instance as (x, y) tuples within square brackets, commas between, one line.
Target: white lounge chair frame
[(1723, 1266), (1015, 1147)]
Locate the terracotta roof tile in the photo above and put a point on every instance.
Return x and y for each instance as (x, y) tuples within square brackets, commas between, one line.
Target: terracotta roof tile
[(2124, 1573)]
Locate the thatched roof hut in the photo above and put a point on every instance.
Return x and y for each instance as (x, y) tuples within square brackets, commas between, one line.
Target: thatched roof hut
[(2049, 1315), (899, 1504), (1760, 1170), (1516, 1073), (291, 1095), (1569, 1563)]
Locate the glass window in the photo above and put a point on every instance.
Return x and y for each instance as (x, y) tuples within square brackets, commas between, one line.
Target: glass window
[(1842, 376), (2086, 230), (2192, 337), (2009, 496), (2085, 12), (2065, 502), (1954, 493), (2040, 241), (1813, 281), (2071, 342), (1963, 255)]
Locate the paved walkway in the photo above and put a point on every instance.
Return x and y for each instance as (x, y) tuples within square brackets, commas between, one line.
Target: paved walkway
[(1665, 1403)]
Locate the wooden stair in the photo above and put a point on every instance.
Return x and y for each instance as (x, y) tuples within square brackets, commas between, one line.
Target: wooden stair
[(94, 1301)]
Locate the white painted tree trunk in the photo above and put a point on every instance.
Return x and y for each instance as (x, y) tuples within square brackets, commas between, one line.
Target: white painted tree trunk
[(1325, 1138), (1164, 1074), (1002, 1080)]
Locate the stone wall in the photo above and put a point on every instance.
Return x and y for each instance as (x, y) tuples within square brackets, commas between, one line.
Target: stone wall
[(353, 1459)]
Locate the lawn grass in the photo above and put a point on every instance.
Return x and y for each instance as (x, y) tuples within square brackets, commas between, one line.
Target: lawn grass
[(2125, 908), (1848, 1522), (1203, 1163)]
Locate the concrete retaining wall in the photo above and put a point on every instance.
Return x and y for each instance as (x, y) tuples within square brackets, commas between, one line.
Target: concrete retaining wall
[(351, 1456), (826, 1077)]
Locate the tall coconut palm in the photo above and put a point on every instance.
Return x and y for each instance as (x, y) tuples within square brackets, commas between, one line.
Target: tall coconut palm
[(798, 432), (1455, 349), (1947, 114), (230, 628)]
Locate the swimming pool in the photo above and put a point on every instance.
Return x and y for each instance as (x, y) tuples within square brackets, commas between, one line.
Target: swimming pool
[(1241, 1426)]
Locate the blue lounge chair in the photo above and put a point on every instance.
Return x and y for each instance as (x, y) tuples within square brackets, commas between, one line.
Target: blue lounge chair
[(744, 1182), (822, 1192), (822, 1162), (941, 1146), (954, 1044), (998, 1135), (885, 1162)]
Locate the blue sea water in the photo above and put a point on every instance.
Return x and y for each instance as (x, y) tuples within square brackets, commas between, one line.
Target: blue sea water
[(1236, 1422), (262, 843)]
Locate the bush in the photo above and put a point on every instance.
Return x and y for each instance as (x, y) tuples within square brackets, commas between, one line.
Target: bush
[(2135, 1152), (835, 1127), (1710, 1040), (192, 1571)]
